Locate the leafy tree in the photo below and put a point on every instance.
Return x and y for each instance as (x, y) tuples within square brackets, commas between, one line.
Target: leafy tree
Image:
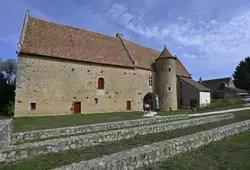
[(7, 86), (242, 74), (8, 68)]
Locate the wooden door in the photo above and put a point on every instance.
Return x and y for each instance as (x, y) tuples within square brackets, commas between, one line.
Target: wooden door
[(77, 107), (193, 103), (128, 105)]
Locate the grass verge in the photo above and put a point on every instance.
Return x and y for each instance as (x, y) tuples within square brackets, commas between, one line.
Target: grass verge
[(189, 111), (63, 158)]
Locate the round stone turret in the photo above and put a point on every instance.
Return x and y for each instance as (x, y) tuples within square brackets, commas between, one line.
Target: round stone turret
[(166, 80)]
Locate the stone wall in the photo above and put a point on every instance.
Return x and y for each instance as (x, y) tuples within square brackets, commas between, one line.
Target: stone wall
[(76, 130), (166, 79), (186, 92), (17, 152), (157, 152), (63, 82), (5, 133)]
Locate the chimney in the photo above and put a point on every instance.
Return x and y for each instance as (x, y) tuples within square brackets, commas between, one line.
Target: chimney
[(200, 80), (119, 35)]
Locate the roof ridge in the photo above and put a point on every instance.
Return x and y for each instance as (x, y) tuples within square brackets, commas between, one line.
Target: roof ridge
[(76, 28), (218, 79)]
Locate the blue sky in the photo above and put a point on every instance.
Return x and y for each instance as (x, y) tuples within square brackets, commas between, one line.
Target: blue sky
[(209, 36)]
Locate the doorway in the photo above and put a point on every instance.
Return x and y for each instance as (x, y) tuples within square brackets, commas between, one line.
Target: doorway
[(193, 103), (128, 105), (77, 107), (150, 99)]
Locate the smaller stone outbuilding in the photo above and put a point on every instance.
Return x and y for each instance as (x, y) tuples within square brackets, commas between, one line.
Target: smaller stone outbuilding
[(192, 93), (223, 88)]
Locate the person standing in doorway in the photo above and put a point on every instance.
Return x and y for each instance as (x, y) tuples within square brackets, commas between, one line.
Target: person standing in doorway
[(148, 108), (145, 108)]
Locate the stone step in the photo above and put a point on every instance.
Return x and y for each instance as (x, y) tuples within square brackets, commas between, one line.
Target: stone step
[(22, 137), (158, 152), (18, 152)]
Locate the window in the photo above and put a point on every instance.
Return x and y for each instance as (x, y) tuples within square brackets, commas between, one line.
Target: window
[(169, 88), (100, 83), (150, 81), (169, 69), (96, 100), (33, 106)]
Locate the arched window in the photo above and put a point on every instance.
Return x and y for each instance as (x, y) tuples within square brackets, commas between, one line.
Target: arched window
[(100, 83)]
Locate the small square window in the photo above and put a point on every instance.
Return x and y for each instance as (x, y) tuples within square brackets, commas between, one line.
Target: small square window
[(33, 106), (169, 69), (169, 88), (96, 100)]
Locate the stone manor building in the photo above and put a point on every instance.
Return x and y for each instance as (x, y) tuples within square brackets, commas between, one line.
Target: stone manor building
[(66, 70)]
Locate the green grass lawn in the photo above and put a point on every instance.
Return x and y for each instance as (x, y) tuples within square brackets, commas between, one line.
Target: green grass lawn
[(46, 122), (232, 153), (67, 157), (35, 123)]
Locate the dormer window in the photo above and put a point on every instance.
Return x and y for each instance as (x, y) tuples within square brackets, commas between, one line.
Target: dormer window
[(150, 81)]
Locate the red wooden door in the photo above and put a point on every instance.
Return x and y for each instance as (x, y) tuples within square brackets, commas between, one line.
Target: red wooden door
[(128, 105), (77, 107)]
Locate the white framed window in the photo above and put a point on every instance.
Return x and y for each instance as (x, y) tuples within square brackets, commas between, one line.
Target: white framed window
[(150, 81)]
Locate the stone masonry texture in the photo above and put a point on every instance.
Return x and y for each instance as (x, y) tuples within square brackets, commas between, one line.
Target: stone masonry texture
[(77, 130), (61, 83), (157, 152), (5, 133), (165, 79), (18, 152)]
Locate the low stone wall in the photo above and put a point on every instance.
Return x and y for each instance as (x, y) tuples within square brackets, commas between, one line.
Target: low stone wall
[(5, 133), (76, 130), (17, 152), (157, 152)]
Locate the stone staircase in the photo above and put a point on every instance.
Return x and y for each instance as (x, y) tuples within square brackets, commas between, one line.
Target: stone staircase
[(42, 142)]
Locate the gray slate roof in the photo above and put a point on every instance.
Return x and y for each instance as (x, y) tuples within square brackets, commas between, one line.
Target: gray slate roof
[(195, 84), (215, 83)]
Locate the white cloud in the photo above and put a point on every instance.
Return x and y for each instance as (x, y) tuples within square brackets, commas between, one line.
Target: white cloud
[(190, 56), (219, 44)]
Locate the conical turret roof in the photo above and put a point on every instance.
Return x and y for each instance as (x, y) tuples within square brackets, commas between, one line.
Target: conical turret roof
[(165, 54)]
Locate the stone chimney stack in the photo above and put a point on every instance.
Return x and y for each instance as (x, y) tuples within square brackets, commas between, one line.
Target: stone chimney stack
[(200, 80), (119, 35)]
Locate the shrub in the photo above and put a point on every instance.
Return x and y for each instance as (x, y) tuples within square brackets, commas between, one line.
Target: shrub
[(9, 109), (222, 103)]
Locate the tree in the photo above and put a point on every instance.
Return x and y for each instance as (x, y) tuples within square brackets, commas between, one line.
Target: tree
[(7, 85), (9, 68), (242, 74)]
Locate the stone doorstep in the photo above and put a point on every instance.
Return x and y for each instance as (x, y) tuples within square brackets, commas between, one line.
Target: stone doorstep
[(151, 114), (72, 142), (56, 132), (116, 159)]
